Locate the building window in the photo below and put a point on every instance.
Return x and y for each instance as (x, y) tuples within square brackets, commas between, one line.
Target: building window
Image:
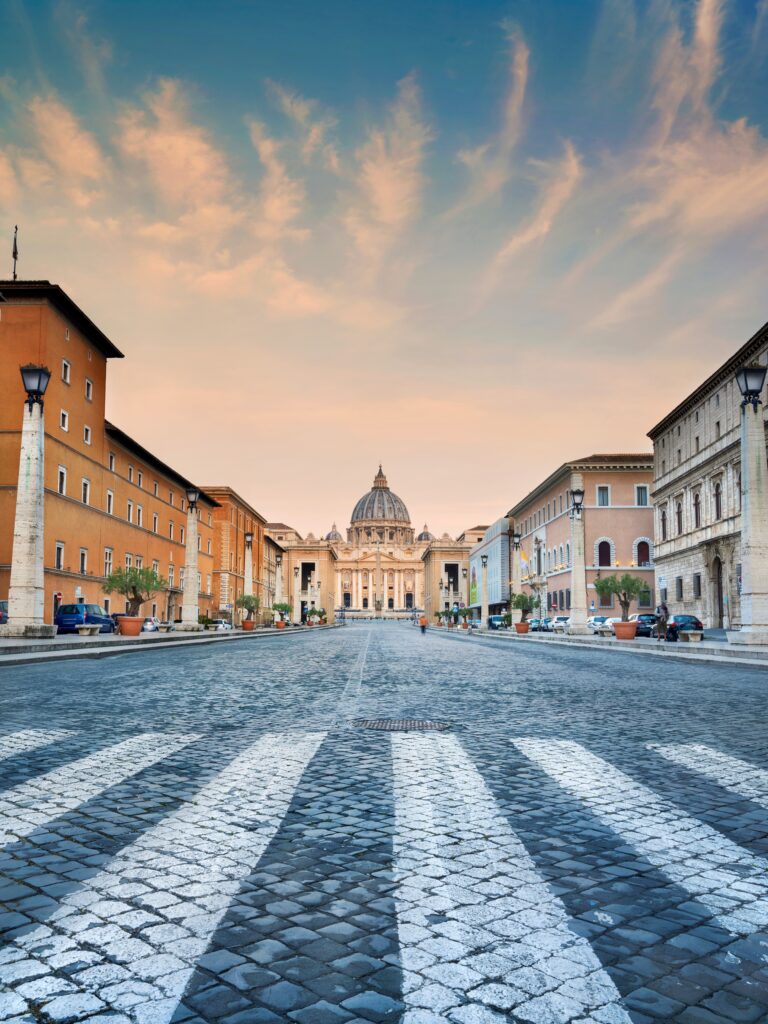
[(130, 512), (696, 442), (717, 401), (128, 560), (86, 492), (739, 492), (606, 601), (696, 510), (183, 505), (697, 584), (139, 561), (603, 497), (156, 567), (154, 488), (139, 515), (641, 495), (87, 435), (679, 516), (140, 478), (208, 583), (209, 547), (679, 588), (181, 534), (170, 530), (154, 522), (679, 456), (108, 555), (645, 599), (663, 524), (110, 503), (209, 522), (112, 462), (643, 552), (83, 561), (568, 553), (663, 466), (88, 390), (62, 480), (130, 474), (604, 552), (64, 420), (717, 429), (66, 371), (170, 497), (171, 571), (567, 599), (718, 501), (59, 557)]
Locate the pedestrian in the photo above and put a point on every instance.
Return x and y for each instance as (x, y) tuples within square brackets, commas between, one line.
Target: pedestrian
[(423, 623), (661, 625)]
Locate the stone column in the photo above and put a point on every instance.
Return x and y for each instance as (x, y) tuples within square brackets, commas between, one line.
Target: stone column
[(516, 587), (578, 623), (278, 598), (26, 595), (484, 597), (189, 610), (297, 597), (248, 569), (754, 530)]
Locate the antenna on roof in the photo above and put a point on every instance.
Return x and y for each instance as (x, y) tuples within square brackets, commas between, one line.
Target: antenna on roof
[(15, 250)]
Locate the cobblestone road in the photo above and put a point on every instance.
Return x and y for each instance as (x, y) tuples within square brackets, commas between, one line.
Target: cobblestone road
[(201, 835)]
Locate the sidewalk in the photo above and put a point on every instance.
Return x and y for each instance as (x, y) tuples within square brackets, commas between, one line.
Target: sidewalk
[(18, 651), (708, 650)]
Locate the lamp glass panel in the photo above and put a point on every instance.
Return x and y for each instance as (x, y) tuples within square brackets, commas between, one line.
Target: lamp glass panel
[(35, 378), (192, 495)]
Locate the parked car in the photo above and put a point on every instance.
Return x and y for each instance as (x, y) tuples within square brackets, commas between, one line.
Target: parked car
[(496, 622), (546, 624), (612, 620), (560, 623), (151, 624), (220, 625), (3, 612), (534, 625), (645, 622), (678, 623), (70, 616), (594, 622)]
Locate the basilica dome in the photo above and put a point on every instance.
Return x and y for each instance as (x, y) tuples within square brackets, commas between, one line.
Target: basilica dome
[(380, 504)]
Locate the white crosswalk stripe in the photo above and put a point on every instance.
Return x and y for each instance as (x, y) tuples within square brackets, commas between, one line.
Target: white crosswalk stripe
[(175, 883), (729, 772), (475, 919), (37, 802), (725, 878), (29, 739)]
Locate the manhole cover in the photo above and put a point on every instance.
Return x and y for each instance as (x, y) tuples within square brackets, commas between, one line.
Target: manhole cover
[(401, 724)]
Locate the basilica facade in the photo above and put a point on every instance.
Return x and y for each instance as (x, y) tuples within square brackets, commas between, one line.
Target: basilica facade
[(378, 569)]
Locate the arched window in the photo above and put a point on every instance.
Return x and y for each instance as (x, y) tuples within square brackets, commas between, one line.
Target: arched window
[(561, 562), (567, 554), (679, 516), (718, 501), (696, 510), (739, 492), (643, 553), (604, 552), (663, 524)]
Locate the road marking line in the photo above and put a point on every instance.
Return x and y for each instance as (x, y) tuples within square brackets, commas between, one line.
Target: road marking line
[(175, 882), (29, 739), (353, 685), (38, 801), (729, 772), (477, 924), (725, 878)]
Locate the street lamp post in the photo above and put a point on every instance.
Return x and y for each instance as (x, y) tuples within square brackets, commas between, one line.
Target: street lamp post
[(464, 593), (754, 511), (515, 615), (484, 607), (26, 594), (189, 608), (296, 595), (278, 598), (578, 621)]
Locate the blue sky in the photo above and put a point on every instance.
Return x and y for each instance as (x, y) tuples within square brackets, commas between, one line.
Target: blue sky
[(400, 228)]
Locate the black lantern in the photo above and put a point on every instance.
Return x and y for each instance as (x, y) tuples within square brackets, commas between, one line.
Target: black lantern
[(193, 493), (484, 560), (249, 538), (296, 572), (464, 572), (577, 497), (35, 380), (441, 584), (278, 560), (750, 380), (516, 538)]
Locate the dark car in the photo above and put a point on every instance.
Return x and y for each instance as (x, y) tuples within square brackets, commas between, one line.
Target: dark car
[(70, 616), (679, 623), (645, 623), (534, 625), (3, 612)]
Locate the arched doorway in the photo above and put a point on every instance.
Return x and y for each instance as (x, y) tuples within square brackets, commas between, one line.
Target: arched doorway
[(717, 583)]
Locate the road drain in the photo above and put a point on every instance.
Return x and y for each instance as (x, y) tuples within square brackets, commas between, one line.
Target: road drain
[(401, 724)]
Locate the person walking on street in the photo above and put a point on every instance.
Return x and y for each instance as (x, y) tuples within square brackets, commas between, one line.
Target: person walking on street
[(423, 623), (661, 626)]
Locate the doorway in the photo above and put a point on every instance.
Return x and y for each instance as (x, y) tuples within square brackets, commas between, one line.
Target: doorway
[(717, 580)]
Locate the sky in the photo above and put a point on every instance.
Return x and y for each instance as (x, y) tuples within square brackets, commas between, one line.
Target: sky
[(468, 240)]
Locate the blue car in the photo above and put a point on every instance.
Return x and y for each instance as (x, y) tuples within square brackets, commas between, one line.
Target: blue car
[(70, 616), (3, 612)]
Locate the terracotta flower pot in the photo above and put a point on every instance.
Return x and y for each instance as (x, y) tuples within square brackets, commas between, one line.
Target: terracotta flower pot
[(522, 627), (464, 624), (248, 625), (625, 630), (279, 624), (130, 625)]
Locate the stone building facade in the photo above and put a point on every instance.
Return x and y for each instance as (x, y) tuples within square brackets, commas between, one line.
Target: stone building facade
[(697, 494), (233, 519)]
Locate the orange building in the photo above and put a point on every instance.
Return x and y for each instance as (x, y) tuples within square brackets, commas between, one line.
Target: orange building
[(109, 502), (233, 519)]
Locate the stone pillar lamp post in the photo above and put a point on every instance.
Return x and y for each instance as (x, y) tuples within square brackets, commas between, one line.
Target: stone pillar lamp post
[(189, 609), (484, 608), (296, 595), (514, 583), (578, 623)]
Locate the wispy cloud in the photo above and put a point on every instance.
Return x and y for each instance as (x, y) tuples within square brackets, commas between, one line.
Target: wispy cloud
[(313, 126)]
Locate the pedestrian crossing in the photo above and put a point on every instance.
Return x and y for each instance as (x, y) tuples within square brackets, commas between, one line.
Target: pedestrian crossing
[(481, 933)]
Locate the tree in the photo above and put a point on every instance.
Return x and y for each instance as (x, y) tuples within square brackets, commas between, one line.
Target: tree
[(525, 603), (135, 585), (282, 608), (250, 602), (627, 589)]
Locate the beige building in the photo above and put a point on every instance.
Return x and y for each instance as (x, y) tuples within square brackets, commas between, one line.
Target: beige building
[(618, 528), (446, 562), (378, 570), (697, 494)]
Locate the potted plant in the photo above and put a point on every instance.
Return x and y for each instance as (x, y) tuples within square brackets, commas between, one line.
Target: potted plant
[(524, 603), (136, 586), (449, 618), (251, 604), (464, 614), (282, 609), (439, 617), (627, 589)]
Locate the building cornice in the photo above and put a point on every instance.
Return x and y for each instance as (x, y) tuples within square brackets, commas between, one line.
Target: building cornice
[(592, 463)]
